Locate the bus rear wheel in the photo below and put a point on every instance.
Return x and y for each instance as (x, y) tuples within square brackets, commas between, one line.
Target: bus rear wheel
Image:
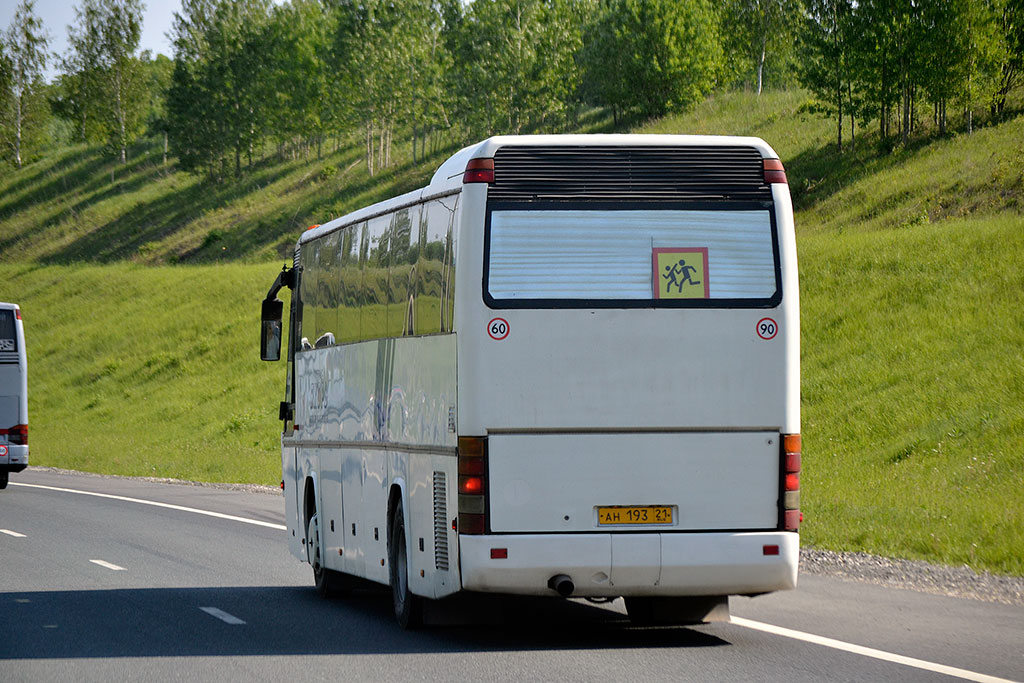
[(408, 607)]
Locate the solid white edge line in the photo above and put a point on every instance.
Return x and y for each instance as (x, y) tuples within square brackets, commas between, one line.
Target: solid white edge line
[(208, 513), (869, 652), (223, 616), (113, 567), (12, 533)]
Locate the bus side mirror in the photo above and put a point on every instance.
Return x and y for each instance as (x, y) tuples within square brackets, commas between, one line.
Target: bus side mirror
[(270, 337)]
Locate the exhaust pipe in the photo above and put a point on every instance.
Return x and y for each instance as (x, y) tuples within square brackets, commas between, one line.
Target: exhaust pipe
[(561, 584)]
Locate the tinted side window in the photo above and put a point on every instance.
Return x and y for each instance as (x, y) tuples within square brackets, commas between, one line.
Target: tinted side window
[(375, 288)]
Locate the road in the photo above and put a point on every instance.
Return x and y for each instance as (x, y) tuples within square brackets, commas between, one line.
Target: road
[(98, 588)]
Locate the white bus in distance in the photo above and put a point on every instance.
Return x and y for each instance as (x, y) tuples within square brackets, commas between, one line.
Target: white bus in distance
[(569, 366), (13, 393)]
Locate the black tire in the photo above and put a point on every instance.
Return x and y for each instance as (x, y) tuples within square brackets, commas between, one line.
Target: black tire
[(408, 607), (4, 478), (328, 583)]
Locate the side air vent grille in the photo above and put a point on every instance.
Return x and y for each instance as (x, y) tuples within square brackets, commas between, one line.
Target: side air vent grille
[(658, 173), (440, 522)]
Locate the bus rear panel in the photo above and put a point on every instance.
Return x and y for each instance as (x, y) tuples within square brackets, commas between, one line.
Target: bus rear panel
[(13, 393)]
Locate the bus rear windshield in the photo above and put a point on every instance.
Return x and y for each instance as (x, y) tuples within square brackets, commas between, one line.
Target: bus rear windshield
[(630, 255), (8, 332)]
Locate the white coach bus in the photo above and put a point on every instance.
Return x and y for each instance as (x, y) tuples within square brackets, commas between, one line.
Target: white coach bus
[(569, 366), (13, 393)]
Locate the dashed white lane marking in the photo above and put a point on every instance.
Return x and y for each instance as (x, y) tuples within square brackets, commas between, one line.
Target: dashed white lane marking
[(208, 513), (222, 615), (12, 533), (112, 567), (869, 652)]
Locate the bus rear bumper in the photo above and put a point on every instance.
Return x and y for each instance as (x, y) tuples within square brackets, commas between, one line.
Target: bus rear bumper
[(13, 457), (606, 565)]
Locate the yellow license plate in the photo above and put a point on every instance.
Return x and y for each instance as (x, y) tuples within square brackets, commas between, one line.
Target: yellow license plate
[(634, 514)]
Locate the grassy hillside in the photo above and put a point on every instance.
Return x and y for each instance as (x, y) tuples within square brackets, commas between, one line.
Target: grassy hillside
[(911, 263)]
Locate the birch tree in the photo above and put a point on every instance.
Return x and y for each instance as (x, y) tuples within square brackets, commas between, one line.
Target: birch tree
[(23, 51)]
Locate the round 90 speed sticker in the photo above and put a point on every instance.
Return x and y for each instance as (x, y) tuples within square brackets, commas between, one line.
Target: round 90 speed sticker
[(767, 328), (497, 329)]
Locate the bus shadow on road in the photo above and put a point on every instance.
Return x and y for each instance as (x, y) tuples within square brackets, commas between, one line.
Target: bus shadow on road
[(259, 621)]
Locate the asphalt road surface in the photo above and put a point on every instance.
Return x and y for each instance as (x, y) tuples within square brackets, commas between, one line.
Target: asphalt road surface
[(166, 582)]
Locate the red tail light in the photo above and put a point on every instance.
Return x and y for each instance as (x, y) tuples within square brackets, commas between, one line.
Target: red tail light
[(18, 434), (472, 485), (479, 171), (791, 447), (774, 172), (17, 313)]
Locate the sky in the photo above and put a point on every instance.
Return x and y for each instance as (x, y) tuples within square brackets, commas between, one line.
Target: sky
[(57, 15)]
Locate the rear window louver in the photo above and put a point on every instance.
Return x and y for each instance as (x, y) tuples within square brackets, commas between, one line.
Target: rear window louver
[(657, 173)]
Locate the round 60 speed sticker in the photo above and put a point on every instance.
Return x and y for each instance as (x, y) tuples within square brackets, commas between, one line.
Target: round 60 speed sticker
[(497, 329), (767, 328)]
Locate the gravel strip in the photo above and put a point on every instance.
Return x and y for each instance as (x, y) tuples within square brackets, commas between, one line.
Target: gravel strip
[(958, 582)]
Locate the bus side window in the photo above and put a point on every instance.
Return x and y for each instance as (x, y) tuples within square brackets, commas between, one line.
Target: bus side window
[(351, 282), (399, 272), (374, 311), (327, 291), (433, 269), (307, 295)]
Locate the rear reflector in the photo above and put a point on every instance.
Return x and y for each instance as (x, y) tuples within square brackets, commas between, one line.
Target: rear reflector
[(770, 550), (479, 171), (774, 172), (499, 553)]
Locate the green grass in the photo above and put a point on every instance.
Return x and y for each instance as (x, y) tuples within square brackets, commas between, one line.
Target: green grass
[(150, 371), (913, 391), (911, 264), (75, 206)]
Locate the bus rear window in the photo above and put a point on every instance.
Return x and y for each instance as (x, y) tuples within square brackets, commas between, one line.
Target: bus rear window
[(8, 334), (625, 256)]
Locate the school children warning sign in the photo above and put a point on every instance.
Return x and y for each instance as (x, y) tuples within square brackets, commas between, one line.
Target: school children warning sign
[(680, 273)]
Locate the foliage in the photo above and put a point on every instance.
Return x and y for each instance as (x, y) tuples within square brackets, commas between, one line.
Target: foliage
[(654, 56), (22, 60), (758, 35), (216, 103)]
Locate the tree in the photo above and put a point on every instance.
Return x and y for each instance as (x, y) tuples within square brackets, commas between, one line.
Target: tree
[(81, 67), (298, 72), (665, 55), (827, 51), (122, 85), (755, 30), (103, 87), (23, 50), (215, 103)]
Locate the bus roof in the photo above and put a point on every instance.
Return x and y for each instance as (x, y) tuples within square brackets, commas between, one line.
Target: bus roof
[(448, 177)]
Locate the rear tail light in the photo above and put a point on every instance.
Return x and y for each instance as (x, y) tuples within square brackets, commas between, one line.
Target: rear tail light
[(17, 313), (479, 171), (472, 485), (18, 434), (774, 173), (791, 448)]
